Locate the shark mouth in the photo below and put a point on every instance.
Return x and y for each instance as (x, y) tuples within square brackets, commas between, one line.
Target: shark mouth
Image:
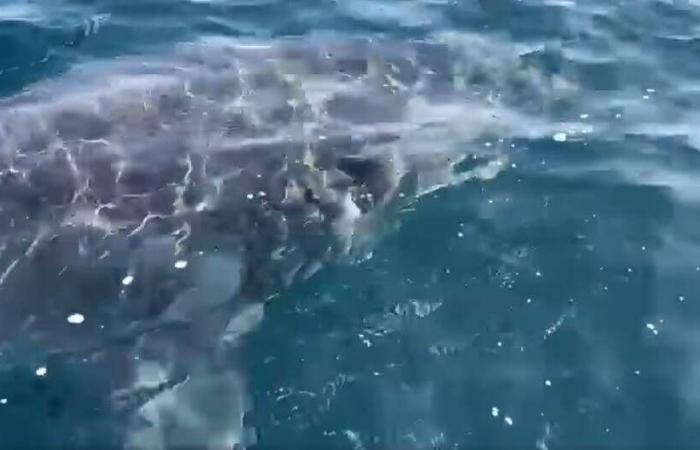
[(150, 206)]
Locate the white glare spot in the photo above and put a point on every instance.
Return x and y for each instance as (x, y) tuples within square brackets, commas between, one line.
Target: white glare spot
[(262, 194), (3, 401), (538, 274), (681, 298), (76, 319), (127, 280), (618, 116), (499, 343), (650, 90), (494, 412), (460, 234), (41, 371), (508, 420), (249, 196), (559, 137), (651, 327), (584, 116), (180, 264), (637, 372), (488, 144), (547, 383), (528, 301)]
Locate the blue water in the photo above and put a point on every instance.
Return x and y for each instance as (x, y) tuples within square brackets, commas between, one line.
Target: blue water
[(555, 306)]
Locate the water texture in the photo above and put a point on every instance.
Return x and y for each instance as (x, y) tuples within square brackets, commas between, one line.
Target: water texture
[(490, 234)]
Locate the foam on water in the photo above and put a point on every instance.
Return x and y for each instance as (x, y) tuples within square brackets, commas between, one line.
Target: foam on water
[(19, 12)]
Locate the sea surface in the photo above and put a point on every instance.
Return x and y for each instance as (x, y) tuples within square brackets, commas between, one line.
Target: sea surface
[(553, 305)]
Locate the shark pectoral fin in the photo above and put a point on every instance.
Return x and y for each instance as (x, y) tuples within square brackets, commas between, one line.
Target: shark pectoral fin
[(247, 319)]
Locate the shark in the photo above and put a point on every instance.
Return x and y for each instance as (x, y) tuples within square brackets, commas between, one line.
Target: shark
[(151, 205)]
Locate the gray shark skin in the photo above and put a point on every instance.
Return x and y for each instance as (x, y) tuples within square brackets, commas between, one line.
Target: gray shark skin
[(165, 199)]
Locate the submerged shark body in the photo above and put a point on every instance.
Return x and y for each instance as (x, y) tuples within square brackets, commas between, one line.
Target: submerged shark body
[(163, 201)]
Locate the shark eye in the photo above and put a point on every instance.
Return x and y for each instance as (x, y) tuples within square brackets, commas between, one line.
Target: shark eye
[(359, 169), (310, 197)]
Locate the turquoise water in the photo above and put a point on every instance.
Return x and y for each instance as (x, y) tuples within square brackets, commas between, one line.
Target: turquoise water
[(553, 306)]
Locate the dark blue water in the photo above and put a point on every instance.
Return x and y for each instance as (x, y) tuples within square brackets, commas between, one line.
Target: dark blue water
[(555, 306)]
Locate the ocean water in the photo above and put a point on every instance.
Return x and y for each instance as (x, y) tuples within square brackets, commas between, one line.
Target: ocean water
[(549, 300)]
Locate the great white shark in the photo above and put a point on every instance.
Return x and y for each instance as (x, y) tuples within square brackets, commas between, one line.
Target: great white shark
[(151, 205)]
